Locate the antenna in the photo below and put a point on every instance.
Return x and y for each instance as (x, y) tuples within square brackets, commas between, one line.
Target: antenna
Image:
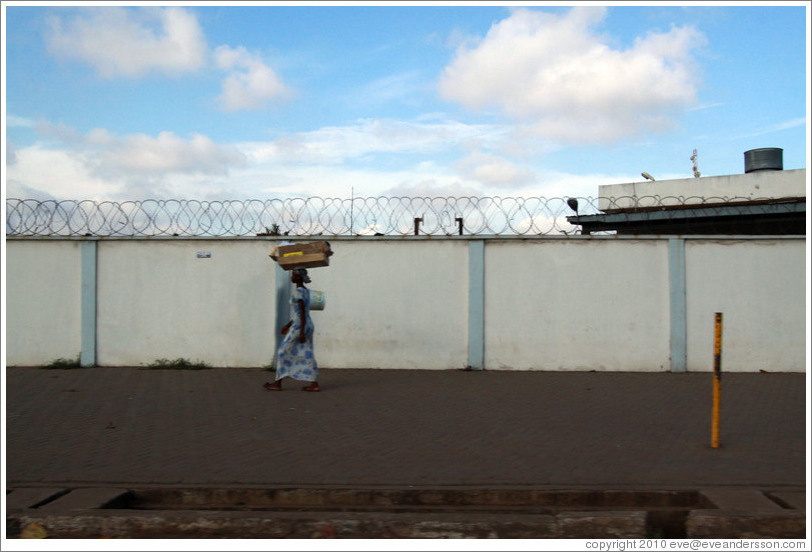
[(694, 157)]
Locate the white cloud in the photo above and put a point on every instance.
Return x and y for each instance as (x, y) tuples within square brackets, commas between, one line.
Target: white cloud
[(793, 123), (434, 185), (555, 76), (334, 145), (57, 173), (785, 125), (328, 161), (121, 42), (14, 121), (323, 181), (404, 88), (11, 153), (100, 164), (495, 171), (709, 105), (167, 153), (251, 84), (164, 154), (429, 157)]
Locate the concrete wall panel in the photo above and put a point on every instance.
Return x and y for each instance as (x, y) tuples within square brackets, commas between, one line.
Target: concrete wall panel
[(393, 304), (577, 305), (43, 301), (158, 300), (759, 286)]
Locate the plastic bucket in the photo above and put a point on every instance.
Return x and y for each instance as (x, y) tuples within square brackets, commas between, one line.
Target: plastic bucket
[(316, 300)]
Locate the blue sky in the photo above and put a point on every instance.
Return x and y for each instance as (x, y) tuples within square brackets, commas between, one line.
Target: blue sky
[(263, 101)]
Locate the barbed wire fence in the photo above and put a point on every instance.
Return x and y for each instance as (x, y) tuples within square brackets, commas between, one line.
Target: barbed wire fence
[(317, 216)]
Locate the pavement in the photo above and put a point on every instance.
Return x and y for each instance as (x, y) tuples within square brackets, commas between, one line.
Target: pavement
[(113, 430)]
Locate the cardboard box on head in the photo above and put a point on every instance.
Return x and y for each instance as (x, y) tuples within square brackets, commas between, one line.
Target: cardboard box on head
[(302, 255)]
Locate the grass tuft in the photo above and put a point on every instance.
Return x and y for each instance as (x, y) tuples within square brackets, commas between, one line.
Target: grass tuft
[(177, 364), (63, 364)]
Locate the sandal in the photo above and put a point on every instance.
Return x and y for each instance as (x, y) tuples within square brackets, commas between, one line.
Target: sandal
[(313, 387), (275, 386)]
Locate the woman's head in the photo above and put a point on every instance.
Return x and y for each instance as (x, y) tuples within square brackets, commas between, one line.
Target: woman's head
[(299, 276)]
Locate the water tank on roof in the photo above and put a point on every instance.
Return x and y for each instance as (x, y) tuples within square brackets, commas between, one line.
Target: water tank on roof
[(764, 159)]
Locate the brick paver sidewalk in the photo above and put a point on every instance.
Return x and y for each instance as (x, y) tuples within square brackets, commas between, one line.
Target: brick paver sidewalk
[(399, 427)]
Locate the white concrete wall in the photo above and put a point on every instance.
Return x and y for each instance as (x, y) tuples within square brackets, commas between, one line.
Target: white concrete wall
[(759, 286), (586, 303), (393, 304), (43, 301), (157, 300), (573, 304)]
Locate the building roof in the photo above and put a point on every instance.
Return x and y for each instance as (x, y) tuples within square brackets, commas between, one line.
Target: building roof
[(760, 203)]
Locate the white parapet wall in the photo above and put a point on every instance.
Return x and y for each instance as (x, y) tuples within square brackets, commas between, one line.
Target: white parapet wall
[(754, 186), (566, 303)]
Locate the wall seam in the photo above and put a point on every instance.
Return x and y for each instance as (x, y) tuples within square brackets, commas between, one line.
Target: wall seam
[(476, 305), (89, 299), (678, 307)]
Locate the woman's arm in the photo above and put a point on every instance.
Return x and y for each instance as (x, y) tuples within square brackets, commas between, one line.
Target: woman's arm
[(302, 319)]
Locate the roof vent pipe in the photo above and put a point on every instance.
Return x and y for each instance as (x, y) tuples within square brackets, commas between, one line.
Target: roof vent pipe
[(764, 159)]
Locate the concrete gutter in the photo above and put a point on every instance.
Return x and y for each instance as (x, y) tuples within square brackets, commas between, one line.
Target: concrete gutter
[(301, 513)]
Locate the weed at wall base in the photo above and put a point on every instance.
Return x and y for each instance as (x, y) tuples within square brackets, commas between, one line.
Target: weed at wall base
[(62, 364), (177, 364)]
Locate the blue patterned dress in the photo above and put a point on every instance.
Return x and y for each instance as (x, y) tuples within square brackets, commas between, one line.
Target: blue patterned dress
[(297, 360)]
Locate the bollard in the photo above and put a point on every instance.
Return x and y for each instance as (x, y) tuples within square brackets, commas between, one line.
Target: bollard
[(717, 379)]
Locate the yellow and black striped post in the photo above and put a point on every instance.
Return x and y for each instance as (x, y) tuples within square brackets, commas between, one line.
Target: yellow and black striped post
[(717, 379)]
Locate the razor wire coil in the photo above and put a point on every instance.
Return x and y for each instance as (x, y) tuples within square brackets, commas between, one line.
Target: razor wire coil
[(313, 216)]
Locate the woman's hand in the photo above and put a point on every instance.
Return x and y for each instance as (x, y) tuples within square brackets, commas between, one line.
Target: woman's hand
[(302, 337)]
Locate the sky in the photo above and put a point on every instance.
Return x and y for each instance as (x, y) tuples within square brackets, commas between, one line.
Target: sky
[(211, 101)]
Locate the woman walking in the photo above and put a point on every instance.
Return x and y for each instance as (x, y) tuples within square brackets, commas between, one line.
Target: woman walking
[(295, 358)]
